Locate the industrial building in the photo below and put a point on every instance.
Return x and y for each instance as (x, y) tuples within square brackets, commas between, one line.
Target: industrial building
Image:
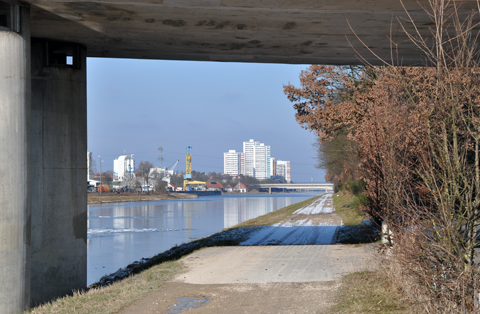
[(123, 168)]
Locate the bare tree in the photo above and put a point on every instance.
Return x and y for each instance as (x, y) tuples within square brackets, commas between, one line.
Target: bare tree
[(144, 171)]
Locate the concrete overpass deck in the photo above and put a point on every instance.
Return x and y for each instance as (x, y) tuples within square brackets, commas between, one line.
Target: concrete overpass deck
[(273, 31)]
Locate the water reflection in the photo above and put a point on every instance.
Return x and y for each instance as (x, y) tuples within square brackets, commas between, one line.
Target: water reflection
[(237, 210), (121, 233)]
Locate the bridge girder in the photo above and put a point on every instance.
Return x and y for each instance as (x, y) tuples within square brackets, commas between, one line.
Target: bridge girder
[(297, 32)]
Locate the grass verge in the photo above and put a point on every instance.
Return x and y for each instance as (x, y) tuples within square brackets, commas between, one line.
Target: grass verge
[(121, 288), (114, 297), (347, 206), (369, 292), (363, 292)]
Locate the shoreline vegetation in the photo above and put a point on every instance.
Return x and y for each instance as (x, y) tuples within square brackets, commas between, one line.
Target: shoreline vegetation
[(97, 198), (123, 287), (109, 197)]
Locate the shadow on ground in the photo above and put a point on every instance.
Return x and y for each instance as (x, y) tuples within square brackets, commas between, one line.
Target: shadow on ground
[(357, 234)]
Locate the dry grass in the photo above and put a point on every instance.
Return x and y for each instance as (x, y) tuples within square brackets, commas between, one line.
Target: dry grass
[(370, 292), (417, 291), (112, 298), (353, 232), (346, 207)]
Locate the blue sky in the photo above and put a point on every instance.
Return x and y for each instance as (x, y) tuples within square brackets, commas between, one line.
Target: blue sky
[(211, 106)]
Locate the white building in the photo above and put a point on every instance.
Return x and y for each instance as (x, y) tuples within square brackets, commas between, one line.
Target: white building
[(257, 159), (261, 163), (233, 163), (249, 152), (283, 170), (156, 173), (163, 174), (123, 168)]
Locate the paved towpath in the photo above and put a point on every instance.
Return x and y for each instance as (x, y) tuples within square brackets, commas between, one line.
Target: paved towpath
[(290, 267), (313, 224)]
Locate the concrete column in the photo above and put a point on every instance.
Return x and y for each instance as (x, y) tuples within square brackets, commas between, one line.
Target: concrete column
[(14, 163), (59, 169)]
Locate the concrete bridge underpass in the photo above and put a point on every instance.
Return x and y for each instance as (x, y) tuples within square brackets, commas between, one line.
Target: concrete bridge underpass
[(43, 128)]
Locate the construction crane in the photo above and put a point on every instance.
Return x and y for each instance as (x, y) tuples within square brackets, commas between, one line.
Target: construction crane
[(187, 178), (168, 172), (172, 168), (188, 162)]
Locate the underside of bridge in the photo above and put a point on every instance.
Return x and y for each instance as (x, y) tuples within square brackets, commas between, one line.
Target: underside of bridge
[(273, 31), (43, 131)]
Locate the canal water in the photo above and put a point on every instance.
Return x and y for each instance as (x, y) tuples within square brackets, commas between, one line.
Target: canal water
[(121, 233)]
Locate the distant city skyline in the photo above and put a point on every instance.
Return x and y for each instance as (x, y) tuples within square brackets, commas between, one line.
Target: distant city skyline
[(133, 105)]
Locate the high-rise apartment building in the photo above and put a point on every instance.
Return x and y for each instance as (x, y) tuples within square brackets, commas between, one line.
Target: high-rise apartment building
[(273, 167), (280, 169), (257, 159), (233, 163), (249, 152), (283, 169)]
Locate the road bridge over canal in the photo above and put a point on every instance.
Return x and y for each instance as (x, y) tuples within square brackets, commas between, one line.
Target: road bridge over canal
[(327, 187), (43, 123)]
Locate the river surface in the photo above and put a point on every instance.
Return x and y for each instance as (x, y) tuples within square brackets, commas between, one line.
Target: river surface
[(121, 233)]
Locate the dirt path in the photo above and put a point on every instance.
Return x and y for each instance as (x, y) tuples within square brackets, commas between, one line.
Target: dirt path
[(292, 298), (259, 277)]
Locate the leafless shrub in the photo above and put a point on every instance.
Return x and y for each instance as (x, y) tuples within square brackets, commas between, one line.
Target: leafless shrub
[(434, 211), (417, 136)]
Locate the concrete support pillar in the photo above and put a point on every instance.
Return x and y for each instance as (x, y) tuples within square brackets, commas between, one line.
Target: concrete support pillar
[(59, 169), (15, 216), (269, 190)]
